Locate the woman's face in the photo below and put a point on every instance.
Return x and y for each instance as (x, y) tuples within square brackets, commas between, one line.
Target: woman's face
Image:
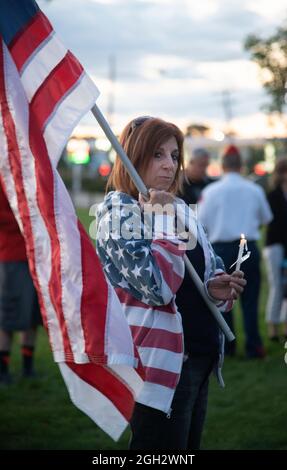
[(162, 167)]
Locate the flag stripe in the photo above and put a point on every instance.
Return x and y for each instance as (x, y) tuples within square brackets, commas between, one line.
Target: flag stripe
[(91, 303), (94, 403), (172, 279), (138, 317), (61, 124), (156, 395), (172, 256), (169, 246), (41, 64), (161, 377), (165, 360), (45, 198), (64, 76), (131, 301), (27, 40), (157, 338), (98, 376), (70, 257)]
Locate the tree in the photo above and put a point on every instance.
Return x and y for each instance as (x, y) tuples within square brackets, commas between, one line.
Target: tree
[(196, 130), (271, 56)]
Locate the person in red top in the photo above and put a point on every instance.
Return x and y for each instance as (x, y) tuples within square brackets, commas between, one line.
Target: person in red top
[(19, 308)]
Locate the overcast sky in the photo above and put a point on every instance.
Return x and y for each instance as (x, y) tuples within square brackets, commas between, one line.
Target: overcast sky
[(173, 58)]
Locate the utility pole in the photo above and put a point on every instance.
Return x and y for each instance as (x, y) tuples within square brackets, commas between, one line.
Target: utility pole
[(111, 95), (227, 108)]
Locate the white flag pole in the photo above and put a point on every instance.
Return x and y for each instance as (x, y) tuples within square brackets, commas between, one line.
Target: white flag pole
[(143, 189)]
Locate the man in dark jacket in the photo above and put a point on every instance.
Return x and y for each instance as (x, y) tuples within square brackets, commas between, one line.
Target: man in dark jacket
[(195, 178)]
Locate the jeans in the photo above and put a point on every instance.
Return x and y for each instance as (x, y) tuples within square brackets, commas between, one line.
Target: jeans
[(152, 429)]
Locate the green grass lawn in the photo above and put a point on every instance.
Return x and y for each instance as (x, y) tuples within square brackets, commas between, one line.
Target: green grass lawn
[(250, 413)]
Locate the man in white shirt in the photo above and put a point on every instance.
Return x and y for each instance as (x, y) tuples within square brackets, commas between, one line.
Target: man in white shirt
[(228, 208)]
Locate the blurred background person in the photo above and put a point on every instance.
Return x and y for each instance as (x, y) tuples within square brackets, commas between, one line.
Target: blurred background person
[(229, 207), (19, 308), (275, 252), (195, 178)]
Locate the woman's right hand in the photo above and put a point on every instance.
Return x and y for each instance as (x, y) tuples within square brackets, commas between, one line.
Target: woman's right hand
[(156, 197)]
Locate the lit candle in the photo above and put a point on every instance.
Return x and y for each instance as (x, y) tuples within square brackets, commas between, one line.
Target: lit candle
[(242, 245)]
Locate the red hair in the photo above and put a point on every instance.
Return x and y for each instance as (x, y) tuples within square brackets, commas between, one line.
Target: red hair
[(140, 140)]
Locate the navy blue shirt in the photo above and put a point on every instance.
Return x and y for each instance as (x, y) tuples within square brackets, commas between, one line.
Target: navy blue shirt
[(201, 332)]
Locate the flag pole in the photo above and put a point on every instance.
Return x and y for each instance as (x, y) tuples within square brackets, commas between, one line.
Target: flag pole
[(143, 189)]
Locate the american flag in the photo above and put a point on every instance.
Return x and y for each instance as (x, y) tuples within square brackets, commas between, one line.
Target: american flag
[(44, 91)]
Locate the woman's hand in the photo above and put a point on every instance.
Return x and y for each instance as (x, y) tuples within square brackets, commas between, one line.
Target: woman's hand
[(227, 286), (157, 197)]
